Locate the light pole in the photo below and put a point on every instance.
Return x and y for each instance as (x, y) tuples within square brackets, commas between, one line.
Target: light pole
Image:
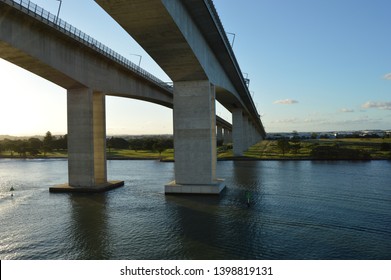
[(139, 61), (233, 39), (59, 8), (246, 79)]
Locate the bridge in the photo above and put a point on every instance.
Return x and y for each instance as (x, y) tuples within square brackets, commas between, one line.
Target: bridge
[(38, 41)]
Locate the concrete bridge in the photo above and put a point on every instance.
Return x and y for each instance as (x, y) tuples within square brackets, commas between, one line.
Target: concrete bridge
[(51, 48)]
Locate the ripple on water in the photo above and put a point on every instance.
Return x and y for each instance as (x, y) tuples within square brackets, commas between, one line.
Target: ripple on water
[(298, 210)]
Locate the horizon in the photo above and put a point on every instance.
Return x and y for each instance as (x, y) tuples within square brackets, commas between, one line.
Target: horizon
[(3, 136), (307, 73)]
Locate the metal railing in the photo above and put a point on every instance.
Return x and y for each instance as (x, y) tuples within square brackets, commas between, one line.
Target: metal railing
[(50, 19), (220, 27)]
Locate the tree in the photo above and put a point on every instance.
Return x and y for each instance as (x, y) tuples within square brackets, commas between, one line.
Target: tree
[(136, 144), (295, 136), (159, 146), (35, 143), (34, 146), (283, 145), (295, 147), (117, 143), (61, 143), (48, 142), (20, 147)]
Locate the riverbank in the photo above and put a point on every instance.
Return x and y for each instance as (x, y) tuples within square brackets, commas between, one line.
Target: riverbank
[(321, 149), (333, 149)]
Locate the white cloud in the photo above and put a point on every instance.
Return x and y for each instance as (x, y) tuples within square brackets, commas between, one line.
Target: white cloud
[(286, 101), (291, 120), (387, 76), (345, 110), (377, 105)]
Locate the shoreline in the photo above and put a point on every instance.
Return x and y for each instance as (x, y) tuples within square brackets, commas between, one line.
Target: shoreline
[(240, 158)]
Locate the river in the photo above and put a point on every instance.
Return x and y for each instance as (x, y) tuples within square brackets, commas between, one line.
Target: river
[(299, 210)]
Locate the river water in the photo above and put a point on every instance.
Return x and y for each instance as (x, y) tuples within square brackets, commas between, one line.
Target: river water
[(299, 210)]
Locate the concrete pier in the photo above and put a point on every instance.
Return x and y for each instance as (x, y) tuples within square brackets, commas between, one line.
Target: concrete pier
[(238, 132), (195, 139), (87, 169), (219, 133)]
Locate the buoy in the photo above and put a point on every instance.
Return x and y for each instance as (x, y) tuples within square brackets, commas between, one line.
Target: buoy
[(248, 199)]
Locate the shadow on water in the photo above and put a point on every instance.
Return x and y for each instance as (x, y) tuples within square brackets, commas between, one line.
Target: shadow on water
[(89, 232), (222, 227)]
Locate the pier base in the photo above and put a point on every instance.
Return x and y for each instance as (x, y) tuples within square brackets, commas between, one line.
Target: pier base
[(96, 189), (174, 188)]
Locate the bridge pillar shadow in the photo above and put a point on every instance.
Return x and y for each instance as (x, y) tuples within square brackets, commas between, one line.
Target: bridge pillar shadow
[(195, 139), (87, 169)]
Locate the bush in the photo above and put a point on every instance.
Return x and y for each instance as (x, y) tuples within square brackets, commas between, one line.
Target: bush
[(335, 152), (385, 147)]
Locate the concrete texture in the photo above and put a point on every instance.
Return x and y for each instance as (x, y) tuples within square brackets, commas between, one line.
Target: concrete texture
[(237, 132), (219, 133), (194, 133), (67, 62), (185, 39), (174, 188), (97, 189), (86, 138)]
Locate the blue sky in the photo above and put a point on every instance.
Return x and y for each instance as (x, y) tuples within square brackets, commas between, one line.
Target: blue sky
[(313, 66)]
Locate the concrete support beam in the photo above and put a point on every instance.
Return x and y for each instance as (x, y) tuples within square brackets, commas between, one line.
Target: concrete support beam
[(237, 132), (195, 139), (219, 133), (227, 136), (86, 142), (86, 138), (246, 130)]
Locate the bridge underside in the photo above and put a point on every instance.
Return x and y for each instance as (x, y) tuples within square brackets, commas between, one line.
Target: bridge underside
[(170, 31), (89, 75)]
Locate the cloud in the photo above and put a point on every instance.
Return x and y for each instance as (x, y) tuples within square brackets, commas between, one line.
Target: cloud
[(387, 76), (286, 101), (377, 105), (345, 110), (291, 120)]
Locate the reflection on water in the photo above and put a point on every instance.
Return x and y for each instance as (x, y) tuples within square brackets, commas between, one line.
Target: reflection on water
[(89, 232), (298, 210)]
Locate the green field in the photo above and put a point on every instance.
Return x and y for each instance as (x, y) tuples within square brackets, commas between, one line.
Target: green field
[(267, 149)]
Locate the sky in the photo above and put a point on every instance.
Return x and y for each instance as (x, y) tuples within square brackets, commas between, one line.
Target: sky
[(313, 66)]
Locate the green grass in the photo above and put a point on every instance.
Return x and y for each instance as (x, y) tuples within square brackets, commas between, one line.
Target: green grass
[(266, 149), (142, 154), (54, 154)]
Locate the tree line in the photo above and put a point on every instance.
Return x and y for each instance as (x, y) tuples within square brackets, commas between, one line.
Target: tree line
[(35, 146), (158, 144)]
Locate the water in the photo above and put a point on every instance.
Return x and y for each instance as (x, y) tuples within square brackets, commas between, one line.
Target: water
[(299, 210)]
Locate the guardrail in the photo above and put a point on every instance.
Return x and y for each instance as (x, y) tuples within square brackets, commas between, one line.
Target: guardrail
[(220, 27), (50, 19)]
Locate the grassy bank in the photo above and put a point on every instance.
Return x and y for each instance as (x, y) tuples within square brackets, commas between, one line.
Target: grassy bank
[(267, 150)]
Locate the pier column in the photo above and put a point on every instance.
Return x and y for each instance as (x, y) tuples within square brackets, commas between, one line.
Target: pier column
[(226, 136), (246, 143), (87, 170), (220, 133), (194, 139), (237, 132), (86, 138)]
